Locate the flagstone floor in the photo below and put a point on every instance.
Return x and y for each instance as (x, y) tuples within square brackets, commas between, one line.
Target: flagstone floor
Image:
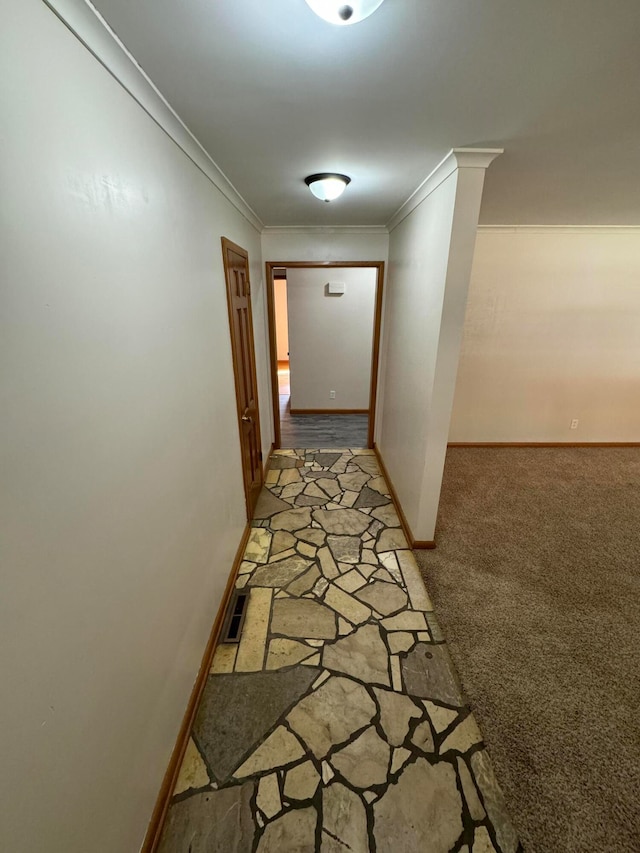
[(337, 723)]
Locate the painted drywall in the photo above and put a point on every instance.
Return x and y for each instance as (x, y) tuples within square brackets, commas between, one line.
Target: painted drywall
[(282, 319), (552, 333), (430, 254), (325, 244), (122, 500), (331, 337)]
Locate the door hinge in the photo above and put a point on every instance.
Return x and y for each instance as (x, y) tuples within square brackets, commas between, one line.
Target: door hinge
[(260, 455)]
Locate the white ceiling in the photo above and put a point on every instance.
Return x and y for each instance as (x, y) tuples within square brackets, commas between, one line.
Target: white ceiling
[(274, 93)]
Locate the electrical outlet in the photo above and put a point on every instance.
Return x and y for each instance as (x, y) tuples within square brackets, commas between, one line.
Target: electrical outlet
[(574, 423), (332, 395)]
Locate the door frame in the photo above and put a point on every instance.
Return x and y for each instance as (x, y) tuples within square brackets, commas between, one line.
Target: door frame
[(228, 244), (375, 348)]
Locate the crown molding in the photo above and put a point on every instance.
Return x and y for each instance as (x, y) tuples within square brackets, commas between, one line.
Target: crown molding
[(559, 229), (326, 229), (475, 158), (90, 28), (457, 158)]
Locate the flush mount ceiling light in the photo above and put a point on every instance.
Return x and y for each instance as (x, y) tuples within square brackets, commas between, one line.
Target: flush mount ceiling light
[(341, 12), (327, 186)]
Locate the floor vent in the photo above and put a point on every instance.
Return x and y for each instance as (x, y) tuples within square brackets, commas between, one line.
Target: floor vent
[(234, 621)]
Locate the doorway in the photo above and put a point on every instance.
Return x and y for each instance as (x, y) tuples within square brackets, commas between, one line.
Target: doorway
[(236, 272), (324, 333), (281, 322)]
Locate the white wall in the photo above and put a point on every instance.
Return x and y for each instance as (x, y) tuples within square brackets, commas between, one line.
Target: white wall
[(552, 333), (122, 499), (331, 337), (430, 254), (325, 244), (282, 319)]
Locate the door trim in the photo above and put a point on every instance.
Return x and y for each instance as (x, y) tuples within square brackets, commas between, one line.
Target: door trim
[(375, 348), (228, 244)]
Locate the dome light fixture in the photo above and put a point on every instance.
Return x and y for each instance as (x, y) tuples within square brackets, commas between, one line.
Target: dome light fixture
[(327, 186), (342, 12)]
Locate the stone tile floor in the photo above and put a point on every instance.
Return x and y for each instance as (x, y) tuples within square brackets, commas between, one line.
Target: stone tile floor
[(337, 723)]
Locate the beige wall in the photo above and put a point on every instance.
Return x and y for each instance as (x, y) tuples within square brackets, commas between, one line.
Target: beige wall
[(552, 333), (282, 319), (122, 501), (331, 337)]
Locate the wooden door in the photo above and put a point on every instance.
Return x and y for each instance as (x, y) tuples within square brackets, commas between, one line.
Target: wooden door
[(236, 269)]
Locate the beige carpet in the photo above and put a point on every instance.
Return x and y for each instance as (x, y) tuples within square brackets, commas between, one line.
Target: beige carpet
[(536, 582)]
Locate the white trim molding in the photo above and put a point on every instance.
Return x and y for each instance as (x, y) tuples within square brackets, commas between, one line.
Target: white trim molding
[(90, 28), (320, 230), (559, 229), (457, 158)]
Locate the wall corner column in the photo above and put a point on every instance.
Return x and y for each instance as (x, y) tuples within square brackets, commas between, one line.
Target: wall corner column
[(432, 239)]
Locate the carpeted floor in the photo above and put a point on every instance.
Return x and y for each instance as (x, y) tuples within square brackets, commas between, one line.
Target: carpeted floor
[(536, 583)]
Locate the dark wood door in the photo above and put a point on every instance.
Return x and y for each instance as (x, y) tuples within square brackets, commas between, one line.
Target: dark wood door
[(236, 269)]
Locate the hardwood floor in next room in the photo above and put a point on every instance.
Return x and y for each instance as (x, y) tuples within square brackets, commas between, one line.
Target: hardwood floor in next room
[(337, 723), (317, 430)]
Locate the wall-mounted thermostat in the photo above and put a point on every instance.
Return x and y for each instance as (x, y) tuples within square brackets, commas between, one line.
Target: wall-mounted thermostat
[(336, 287)]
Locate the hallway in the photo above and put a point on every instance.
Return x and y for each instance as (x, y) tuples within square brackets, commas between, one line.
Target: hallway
[(137, 148), (336, 724)]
